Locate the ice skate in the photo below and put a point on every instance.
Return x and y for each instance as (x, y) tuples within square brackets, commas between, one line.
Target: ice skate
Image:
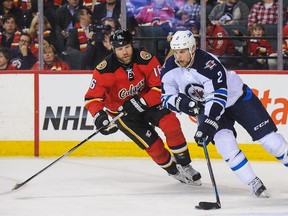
[(258, 189), (188, 175)]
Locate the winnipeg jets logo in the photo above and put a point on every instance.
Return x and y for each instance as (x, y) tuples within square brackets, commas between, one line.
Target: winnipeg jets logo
[(210, 64), (195, 91)]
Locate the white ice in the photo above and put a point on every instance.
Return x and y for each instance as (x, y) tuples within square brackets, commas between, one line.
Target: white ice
[(132, 187)]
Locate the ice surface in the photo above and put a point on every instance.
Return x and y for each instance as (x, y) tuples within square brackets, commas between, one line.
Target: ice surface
[(132, 187)]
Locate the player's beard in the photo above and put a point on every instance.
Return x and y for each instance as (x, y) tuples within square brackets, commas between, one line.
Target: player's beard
[(185, 63), (125, 59)]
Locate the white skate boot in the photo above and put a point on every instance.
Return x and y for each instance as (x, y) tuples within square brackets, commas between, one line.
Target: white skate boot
[(188, 175), (258, 189)]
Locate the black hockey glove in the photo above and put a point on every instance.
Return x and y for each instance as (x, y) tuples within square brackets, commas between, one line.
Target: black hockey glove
[(187, 105), (205, 131), (101, 120), (134, 105)]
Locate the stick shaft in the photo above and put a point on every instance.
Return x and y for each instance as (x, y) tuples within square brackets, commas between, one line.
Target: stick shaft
[(66, 153), (211, 172)]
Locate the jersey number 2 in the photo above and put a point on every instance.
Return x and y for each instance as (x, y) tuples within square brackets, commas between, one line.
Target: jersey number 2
[(219, 80)]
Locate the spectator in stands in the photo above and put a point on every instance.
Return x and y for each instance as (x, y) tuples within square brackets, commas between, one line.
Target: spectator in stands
[(57, 3), (10, 36), (192, 8), (49, 12), (273, 62), (181, 17), (5, 55), (21, 57), (130, 8), (99, 44), (193, 26), (231, 12), (220, 47), (49, 34), (176, 4), (210, 4), (51, 60), (65, 20), (28, 14), (259, 47), (78, 36), (88, 4), (184, 23), (139, 5), (155, 14), (7, 7), (264, 12), (112, 8)]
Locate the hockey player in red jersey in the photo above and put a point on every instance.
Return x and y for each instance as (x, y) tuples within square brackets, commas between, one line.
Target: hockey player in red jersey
[(129, 79)]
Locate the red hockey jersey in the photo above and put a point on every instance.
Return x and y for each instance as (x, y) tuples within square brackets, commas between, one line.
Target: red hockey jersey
[(111, 87)]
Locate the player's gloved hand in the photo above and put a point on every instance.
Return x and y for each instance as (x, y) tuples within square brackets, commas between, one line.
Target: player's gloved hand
[(205, 131), (101, 120), (134, 105), (187, 105)]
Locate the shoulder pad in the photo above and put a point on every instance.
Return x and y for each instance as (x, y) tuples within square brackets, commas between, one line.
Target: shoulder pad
[(108, 65), (168, 65)]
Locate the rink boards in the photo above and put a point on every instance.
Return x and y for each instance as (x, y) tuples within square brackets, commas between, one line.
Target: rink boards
[(42, 114)]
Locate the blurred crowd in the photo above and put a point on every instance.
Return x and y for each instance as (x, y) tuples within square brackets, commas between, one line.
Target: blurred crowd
[(76, 32)]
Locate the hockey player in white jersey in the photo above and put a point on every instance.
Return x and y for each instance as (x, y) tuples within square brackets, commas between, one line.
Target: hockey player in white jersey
[(193, 78)]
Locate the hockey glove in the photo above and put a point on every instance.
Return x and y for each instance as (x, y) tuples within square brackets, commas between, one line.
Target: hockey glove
[(133, 106), (205, 131), (187, 105), (102, 122)]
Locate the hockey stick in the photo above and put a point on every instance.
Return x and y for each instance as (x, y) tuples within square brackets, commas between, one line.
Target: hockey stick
[(17, 186), (210, 205)]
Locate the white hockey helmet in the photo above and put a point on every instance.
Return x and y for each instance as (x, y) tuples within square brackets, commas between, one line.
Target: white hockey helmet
[(183, 40)]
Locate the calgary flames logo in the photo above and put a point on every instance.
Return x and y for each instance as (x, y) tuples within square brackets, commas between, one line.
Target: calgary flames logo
[(133, 90), (101, 65), (145, 55)]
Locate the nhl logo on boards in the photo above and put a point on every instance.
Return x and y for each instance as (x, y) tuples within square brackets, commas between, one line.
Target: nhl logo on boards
[(145, 55), (101, 65)]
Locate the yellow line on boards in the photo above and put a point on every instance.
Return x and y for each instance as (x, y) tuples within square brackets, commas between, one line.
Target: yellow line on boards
[(113, 149)]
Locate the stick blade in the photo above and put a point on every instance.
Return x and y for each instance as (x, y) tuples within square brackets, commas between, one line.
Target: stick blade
[(208, 205), (18, 185)]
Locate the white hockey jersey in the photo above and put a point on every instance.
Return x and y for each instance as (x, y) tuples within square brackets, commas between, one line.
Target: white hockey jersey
[(207, 81)]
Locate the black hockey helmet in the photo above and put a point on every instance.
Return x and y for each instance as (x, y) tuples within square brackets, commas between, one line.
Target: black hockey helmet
[(120, 38)]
